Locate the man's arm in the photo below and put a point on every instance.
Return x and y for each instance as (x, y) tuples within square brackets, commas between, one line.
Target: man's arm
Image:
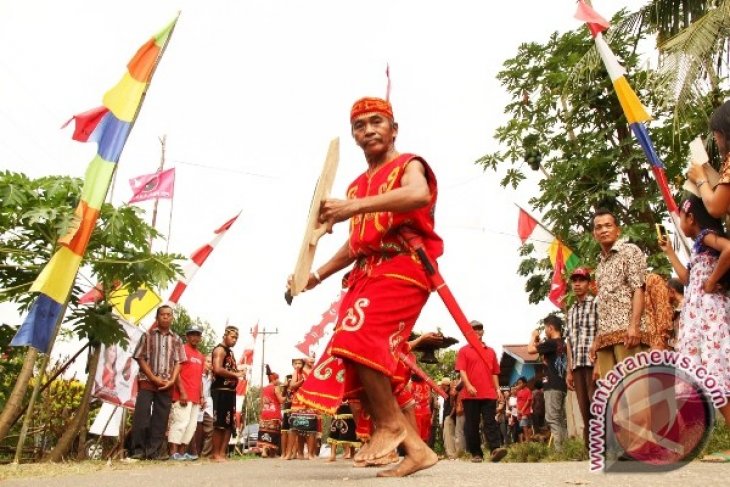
[(569, 372), (181, 388), (413, 193), (534, 340), (495, 378), (469, 387), (147, 370), (339, 261), (633, 334), (218, 370)]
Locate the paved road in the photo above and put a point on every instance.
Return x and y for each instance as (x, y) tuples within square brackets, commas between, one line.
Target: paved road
[(318, 473)]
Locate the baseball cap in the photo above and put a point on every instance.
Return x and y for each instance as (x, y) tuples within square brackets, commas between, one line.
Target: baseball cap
[(476, 325), (194, 328), (581, 272)]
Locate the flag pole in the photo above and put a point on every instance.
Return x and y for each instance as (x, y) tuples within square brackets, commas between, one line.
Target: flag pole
[(64, 307), (163, 143), (169, 224)]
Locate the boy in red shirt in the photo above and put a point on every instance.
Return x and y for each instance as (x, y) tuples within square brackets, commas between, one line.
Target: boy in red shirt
[(187, 396), (524, 407)]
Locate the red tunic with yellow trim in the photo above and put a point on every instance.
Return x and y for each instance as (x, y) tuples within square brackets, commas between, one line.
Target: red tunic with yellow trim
[(388, 285)]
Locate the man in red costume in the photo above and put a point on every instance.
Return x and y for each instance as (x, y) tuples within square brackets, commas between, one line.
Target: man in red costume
[(387, 286)]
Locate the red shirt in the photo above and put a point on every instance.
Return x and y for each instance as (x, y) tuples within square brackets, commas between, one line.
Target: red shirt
[(479, 373), (191, 375), (524, 396), (374, 237)]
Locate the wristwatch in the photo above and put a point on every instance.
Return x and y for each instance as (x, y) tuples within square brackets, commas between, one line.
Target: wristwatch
[(700, 182)]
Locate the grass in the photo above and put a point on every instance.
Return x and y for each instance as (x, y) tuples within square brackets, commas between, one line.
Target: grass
[(533, 452), (720, 440), (573, 449)]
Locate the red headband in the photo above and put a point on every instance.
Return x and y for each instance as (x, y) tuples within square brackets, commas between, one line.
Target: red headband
[(369, 105)]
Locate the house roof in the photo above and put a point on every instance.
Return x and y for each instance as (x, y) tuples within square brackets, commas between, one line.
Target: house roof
[(519, 353)]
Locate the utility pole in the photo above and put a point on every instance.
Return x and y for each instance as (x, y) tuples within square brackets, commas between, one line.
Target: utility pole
[(263, 350)]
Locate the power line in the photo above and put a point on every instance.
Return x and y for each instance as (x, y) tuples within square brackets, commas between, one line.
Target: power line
[(225, 169)]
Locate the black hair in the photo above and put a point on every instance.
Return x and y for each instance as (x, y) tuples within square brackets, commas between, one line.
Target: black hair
[(605, 211), (164, 306), (554, 321), (676, 285), (720, 121), (521, 378), (538, 384), (693, 205)]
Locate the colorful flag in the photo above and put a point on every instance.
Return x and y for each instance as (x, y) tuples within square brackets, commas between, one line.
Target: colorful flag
[(109, 127), (318, 331), (558, 286), (197, 259), (533, 232), (634, 111), (150, 186)]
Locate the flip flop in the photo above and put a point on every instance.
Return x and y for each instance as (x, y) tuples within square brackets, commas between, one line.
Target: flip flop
[(717, 457)]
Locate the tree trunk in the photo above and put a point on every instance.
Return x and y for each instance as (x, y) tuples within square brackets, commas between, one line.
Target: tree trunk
[(66, 441), (14, 405)]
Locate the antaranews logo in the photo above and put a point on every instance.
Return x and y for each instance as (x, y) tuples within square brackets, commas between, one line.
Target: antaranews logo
[(653, 412)]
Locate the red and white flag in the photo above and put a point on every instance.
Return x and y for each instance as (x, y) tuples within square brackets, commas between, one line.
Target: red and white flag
[(197, 259), (558, 286), (150, 186), (315, 334)]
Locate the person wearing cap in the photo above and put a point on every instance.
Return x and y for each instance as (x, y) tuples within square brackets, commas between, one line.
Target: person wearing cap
[(159, 354), (388, 286), (580, 331), (479, 396), (187, 396)]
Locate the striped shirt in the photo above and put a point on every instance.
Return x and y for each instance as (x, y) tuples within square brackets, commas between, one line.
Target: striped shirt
[(162, 351), (581, 329)]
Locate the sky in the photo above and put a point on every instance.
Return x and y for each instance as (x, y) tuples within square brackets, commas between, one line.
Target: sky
[(249, 94)]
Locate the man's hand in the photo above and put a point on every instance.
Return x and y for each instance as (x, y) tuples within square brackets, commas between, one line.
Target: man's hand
[(202, 403), (183, 398), (569, 380), (593, 354), (336, 211), (471, 390), (166, 384), (535, 336), (632, 338)]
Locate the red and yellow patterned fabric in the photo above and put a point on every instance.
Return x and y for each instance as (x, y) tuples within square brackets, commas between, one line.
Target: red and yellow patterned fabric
[(371, 106)]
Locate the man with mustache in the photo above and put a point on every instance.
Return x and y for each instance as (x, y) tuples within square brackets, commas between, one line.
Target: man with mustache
[(387, 286)]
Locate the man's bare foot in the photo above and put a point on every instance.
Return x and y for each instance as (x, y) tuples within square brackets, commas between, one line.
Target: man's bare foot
[(382, 443), (218, 459), (392, 457), (420, 460)]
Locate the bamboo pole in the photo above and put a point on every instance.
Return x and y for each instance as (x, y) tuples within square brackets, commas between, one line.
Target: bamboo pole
[(37, 386), (163, 143)]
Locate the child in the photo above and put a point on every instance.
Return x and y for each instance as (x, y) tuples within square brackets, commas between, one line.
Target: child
[(705, 318), (524, 407)]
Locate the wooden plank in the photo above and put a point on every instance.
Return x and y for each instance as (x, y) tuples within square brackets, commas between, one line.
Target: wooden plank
[(314, 229)]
